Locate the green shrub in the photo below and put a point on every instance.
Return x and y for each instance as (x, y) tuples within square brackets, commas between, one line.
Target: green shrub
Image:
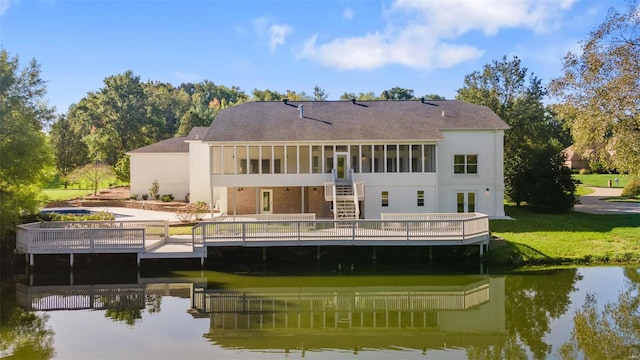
[(632, 189), (134, 197), (167, 197), (99, 216), (585, 171), (154, 190)]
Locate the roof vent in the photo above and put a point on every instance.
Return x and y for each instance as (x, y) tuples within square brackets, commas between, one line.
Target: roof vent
[(442, 113), (301, 108), (353, 101), (285, 101)]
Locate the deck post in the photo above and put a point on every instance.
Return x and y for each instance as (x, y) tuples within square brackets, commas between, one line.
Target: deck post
[(481, 249), (138, 260), (71, 260), (202, 261), (31, 260)]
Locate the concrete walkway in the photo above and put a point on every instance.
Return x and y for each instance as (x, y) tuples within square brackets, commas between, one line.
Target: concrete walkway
[(594, 204)]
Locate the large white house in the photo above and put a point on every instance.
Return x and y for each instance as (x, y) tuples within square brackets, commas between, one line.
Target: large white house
[(337, 159)]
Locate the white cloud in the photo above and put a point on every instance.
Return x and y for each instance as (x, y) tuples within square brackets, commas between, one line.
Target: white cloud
[(422, 34), (277, 35), (4, 5), (348, 13), (261, 25), (456, 17)]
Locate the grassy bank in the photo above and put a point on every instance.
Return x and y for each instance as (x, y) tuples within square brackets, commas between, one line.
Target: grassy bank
[(602, 180), (576, 238)]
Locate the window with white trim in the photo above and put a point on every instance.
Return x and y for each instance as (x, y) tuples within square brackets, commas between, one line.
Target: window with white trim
[(385, 198), (420, 197), (465, 164)]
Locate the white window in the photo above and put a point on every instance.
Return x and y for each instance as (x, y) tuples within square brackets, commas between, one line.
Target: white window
[(465, 164), (465, 201), (420, 197), (385, 198)]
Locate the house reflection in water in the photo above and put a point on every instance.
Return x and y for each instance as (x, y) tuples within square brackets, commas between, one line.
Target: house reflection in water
[(419, 317), (466, 312)]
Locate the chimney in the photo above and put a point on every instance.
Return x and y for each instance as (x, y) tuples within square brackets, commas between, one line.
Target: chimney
[(285, 101), (422, 100), (353, 101), (301, 108)]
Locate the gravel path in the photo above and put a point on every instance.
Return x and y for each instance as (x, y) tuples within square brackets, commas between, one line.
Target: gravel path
[(594, 204)]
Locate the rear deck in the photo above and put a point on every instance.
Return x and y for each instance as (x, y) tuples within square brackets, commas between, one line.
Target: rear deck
[(150, 239)]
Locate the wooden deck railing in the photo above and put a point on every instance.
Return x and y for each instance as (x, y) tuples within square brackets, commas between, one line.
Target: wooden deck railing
[(88, 236), (440, 230)]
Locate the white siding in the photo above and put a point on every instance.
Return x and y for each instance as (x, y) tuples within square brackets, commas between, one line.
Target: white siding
[(199, 168), (170, 169), (488, 145)]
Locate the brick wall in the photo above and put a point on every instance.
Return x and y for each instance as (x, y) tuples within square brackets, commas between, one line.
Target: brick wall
[(316, 204), (245, 201), (284, 201)]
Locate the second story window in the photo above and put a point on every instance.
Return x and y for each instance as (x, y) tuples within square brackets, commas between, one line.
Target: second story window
[(465, 164)]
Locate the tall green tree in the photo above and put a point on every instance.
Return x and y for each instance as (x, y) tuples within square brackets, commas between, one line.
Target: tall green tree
[(206, 99), (319, 94), (517, 98), (69, 150), (397, 93), (266, 95), (600, 92), (24, 152), (169, 104), (433, 97), (360, 96), (119, 118)]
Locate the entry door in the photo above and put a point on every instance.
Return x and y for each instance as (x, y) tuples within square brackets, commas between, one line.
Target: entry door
[(342, 166), (465, 201), (266, 201)]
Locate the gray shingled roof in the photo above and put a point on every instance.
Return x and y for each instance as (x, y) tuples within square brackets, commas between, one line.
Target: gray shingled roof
[(344, 120), (173, 145), (197, 132)]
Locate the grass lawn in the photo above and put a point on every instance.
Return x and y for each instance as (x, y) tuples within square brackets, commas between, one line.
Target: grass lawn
[(602, 180), (580, 238), (180, 230), (55, 194)]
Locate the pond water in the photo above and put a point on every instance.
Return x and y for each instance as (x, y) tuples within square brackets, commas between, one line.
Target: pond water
[(339, 313)]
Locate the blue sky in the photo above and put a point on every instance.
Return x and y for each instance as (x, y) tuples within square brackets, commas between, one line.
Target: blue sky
[(339, 45)]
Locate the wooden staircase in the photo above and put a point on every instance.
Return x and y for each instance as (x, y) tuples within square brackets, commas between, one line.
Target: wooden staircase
[(344, 207)]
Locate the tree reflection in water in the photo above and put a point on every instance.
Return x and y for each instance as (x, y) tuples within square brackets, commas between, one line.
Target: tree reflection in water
[(533, 301), (613, 333), (25, 335)]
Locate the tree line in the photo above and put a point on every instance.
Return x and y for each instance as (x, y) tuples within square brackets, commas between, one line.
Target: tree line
[(597, 110), (128, 113)]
